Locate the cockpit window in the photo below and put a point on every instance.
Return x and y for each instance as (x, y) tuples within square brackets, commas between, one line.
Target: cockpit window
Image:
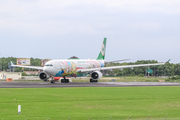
[(49, 65)]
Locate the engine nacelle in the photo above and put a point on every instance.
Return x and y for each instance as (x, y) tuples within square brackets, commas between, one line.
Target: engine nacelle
[(96, 75), (43, 76)]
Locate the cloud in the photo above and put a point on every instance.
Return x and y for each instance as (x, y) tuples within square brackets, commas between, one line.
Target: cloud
[(61, 7), (123, 21), (162, 6), (44, 12)]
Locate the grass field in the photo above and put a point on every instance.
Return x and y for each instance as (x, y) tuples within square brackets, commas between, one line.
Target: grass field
[(81, 103), (126, 79)]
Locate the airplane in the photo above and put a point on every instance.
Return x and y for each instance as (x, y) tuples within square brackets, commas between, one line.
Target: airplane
[(79, 67)]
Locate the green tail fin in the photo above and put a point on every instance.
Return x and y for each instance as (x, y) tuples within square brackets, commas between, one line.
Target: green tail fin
[(103, 50)]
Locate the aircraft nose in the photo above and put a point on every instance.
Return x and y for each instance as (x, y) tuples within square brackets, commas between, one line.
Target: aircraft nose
[(46, 70), (49, 71)]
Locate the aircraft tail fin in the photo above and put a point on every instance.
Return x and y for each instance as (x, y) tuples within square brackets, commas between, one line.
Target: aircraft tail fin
[(168, 61), (103, 50)]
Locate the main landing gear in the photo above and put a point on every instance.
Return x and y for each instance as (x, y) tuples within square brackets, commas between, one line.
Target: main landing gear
[(64, 80), (92, 80)]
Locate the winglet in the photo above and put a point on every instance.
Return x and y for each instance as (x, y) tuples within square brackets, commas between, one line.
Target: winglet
[(168, 61), (11, 63)]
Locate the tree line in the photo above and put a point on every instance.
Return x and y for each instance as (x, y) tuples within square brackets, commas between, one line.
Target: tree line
[(168, 69), (5, 64)]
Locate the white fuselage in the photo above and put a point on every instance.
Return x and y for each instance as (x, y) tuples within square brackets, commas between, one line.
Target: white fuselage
[(59, 68)]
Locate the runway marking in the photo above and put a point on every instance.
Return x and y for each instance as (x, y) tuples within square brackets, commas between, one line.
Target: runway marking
[(43, 83)]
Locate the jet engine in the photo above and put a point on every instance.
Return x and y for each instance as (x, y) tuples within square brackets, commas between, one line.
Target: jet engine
[(43, 76), (96, 75)]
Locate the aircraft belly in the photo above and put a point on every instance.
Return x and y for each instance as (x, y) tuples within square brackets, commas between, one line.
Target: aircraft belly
[(61, 74)]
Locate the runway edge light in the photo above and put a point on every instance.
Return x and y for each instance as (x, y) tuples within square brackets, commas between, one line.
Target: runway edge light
[(19, 109)]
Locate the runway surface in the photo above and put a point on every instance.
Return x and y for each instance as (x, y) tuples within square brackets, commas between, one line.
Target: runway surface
[(82, 84)]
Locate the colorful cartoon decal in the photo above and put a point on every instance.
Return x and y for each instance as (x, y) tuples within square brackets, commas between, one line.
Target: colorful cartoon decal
[(71, 67), (102, 65), (59, 73)]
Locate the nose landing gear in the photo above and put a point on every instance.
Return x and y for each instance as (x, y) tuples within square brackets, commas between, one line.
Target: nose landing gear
[(52, 80)]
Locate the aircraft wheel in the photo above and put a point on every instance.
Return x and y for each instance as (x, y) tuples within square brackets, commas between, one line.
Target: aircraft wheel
[(52, 81), (62, 80), (91, 80), (67, 80)]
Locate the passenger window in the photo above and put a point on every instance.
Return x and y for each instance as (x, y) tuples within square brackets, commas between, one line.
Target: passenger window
[(49, 65)]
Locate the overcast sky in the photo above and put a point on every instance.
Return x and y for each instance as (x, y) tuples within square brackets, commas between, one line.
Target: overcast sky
[(59, 29)]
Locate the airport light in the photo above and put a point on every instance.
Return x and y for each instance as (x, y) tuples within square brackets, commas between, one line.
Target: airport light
[(19, 109)]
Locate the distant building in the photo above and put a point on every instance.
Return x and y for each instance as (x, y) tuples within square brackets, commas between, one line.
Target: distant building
[(32, 72), (13, 75)]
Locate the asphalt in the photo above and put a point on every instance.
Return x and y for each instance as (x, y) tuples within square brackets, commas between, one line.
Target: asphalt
[(81, 84)]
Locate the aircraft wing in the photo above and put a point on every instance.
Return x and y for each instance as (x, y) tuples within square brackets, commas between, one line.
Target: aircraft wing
[(117, 67), (32, 67)]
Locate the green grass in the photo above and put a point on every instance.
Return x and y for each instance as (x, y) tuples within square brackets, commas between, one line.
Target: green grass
[(125, 79), (81, 103)]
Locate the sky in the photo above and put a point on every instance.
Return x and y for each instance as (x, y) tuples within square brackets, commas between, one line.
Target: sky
[(59, 29)]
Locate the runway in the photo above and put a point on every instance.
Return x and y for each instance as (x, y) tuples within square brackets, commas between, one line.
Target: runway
[(81, 84)]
